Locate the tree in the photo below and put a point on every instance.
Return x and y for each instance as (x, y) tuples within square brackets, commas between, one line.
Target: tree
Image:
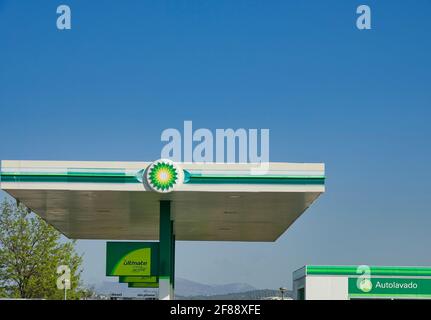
[(30, 253)]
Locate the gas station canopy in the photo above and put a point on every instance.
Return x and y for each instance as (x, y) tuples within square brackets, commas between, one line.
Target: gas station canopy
[(209, 202)]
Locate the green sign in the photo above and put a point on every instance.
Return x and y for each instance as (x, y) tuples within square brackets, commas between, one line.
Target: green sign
[(389, 287), (143, 285), (147, 279), (132, 258)]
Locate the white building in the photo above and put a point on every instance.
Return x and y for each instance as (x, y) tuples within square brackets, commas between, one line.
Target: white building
[(361, 282)]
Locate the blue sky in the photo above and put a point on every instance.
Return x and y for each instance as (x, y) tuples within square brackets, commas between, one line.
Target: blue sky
[(359, 101)]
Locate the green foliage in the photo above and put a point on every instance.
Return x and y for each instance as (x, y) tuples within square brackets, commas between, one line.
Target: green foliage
[(30, 253)]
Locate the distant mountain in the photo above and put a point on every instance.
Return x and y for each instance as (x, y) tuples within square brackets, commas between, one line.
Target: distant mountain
[(190, 290), (183, 287), (248, 295), (187, 288)]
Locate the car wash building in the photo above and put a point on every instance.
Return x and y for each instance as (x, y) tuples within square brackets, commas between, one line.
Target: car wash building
[(361, 282), (161, 202)]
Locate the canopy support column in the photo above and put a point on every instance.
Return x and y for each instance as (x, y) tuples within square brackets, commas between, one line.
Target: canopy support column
[(167, 252)]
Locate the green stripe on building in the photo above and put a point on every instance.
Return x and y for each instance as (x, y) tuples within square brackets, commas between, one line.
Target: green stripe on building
[(123, 177), (381, 271)]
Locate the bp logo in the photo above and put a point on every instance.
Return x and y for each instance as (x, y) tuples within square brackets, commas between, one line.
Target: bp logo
[(365, 285), (164, 175)]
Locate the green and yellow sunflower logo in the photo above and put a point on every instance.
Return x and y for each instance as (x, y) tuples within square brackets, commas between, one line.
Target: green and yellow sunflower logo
[(163, 175), (365, 285)]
